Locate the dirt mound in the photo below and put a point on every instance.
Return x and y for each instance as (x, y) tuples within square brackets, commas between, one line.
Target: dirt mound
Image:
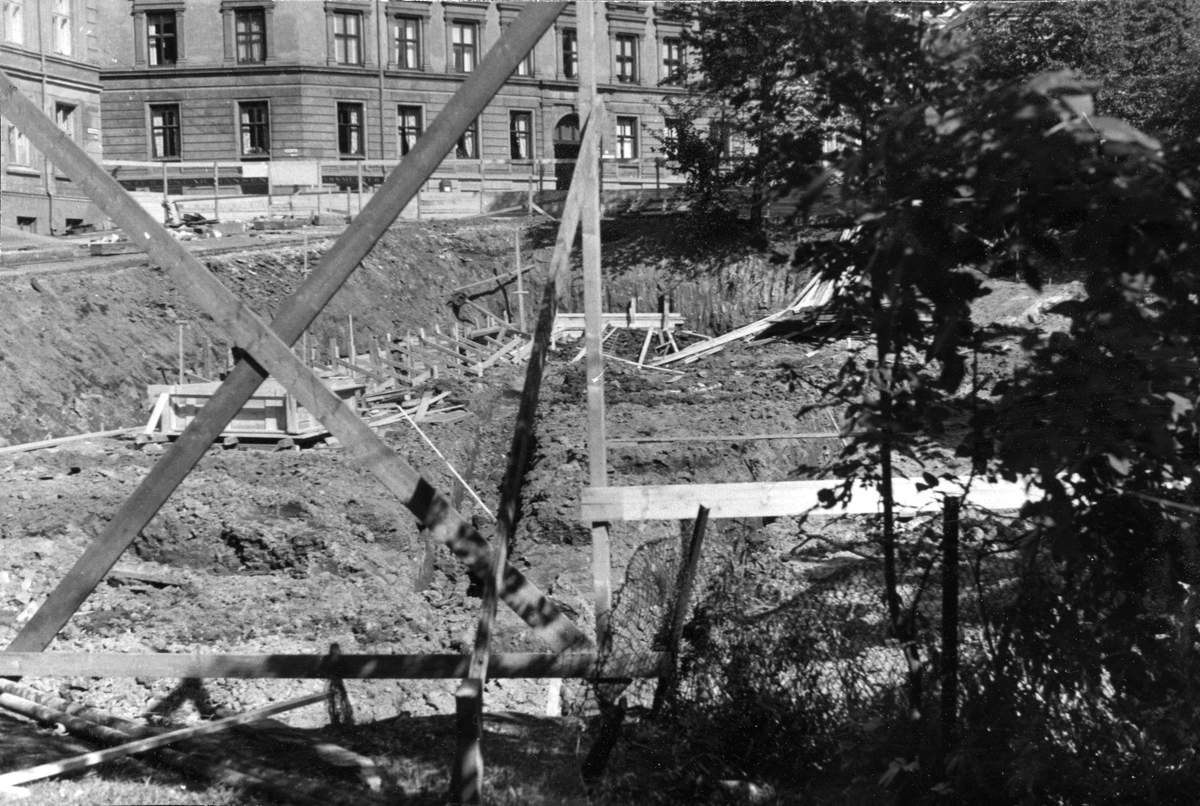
[(79, 349)]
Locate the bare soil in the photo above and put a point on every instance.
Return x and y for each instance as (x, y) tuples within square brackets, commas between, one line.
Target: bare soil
[(291, 551)]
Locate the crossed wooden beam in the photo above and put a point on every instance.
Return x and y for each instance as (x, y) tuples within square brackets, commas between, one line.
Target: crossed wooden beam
[(266, 348)]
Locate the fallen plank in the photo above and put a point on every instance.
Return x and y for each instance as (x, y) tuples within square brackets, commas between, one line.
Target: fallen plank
[(782, 499), (50, 443), (349, 667), (142, 745)]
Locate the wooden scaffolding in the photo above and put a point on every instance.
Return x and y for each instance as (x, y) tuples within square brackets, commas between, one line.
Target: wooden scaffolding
[(267, 350)]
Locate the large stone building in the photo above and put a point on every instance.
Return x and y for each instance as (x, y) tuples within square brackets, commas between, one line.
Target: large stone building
[(356, 81), (50, 49)]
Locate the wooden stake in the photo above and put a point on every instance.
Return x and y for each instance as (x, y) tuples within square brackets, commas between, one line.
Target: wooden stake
[(520, 281), (353, 349), (208, 348), (181, 353), (466, 783)]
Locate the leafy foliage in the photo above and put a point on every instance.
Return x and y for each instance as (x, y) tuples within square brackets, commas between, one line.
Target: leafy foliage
[(1145, 53)]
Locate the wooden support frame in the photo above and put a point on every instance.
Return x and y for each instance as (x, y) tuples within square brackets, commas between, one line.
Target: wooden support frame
[(272, 348)]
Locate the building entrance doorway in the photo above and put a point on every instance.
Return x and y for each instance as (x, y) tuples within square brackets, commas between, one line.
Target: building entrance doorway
[(566, 147)]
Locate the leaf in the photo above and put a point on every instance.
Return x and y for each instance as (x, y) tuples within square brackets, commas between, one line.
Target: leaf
[(1180, 405), (1120, 464)]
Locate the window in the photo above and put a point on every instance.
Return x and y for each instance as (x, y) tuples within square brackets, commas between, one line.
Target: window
[(670, 135), (27, 223), (255, 120), (410, 126), (672, 61), (351, 130), (60, 27), (525, 66), (468, 145), (570, 48), (19, 153), (347, 37), (14, 22), (462, 40), (160, 38), (626, 58), (520, 135), (627, 146), (250, 34), (406, 37), (64, 116), (164, 131)]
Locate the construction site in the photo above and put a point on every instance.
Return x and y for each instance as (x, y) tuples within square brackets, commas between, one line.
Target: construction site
[(410, 511)]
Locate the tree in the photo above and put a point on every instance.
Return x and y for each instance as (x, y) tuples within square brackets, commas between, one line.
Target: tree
[(1145, 53), (789, 78)]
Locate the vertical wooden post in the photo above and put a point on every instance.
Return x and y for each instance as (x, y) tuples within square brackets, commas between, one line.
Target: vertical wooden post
[(307, 352), (467, 775), (320, 193), (208, 357), (678, 614), (949, 715), (520, 281), (408, 354), (353, 349), (181, 352), (481, 182), (593, 292), (333, 352)]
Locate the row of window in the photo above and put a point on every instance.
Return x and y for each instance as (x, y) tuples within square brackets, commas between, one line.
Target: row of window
[(61, 40), (250, 37), (255, 132), (21, 153)]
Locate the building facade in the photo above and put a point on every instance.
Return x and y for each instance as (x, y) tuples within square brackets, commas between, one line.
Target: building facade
[(357, 81), (50, 50)]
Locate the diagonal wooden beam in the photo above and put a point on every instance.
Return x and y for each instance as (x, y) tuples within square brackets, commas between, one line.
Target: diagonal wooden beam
[(273, 348)]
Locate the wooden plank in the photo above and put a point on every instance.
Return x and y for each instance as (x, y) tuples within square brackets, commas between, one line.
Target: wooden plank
[(311, 667), (87, 760), (454, 354), (51, 443), (781, 499), (294, 316)]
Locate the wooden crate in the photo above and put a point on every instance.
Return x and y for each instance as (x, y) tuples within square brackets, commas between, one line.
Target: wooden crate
[(272, 413)]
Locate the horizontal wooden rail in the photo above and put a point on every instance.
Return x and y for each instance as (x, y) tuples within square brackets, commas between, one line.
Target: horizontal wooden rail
[(350, 667), (724, 437), (781, 499)]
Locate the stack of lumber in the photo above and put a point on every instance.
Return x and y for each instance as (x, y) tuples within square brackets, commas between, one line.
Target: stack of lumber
[(428, 408)]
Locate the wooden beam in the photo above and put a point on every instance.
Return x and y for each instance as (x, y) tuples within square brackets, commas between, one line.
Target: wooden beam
[(348, 667), (783, 498), (723, 437), (87, 760), (591, 106), (51, 443), (274, 348)]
